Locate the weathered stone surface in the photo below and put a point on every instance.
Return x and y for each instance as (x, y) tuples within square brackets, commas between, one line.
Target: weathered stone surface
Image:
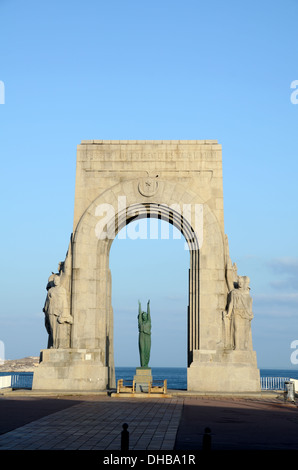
[(142, 378), (71, 369)]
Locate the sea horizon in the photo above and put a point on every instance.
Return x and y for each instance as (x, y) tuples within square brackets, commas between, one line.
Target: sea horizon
[(176, 376)]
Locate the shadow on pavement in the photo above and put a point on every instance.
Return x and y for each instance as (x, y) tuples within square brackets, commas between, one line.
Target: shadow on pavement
[(238, 425), (16, 412)]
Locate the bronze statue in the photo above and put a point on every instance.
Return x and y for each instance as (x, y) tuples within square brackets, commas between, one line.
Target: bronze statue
[(144, 323)]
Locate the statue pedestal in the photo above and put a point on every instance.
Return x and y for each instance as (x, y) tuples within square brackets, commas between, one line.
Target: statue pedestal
[(224, 372), (142, 378), (71, 369)]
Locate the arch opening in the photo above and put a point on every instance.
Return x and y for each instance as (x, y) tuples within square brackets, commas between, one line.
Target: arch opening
[(162, 212), (171, 214), (155, 269)]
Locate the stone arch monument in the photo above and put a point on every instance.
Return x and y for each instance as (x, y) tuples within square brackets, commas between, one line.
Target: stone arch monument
[(117, 182)]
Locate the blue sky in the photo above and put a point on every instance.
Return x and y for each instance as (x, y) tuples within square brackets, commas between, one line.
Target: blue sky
[(162, 69)]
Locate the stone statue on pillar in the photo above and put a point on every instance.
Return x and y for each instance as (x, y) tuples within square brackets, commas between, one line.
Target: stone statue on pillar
[(58, 319), (238, 316)]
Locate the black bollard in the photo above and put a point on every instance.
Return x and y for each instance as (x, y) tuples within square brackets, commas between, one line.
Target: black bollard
[(207, 439), (125, 438)]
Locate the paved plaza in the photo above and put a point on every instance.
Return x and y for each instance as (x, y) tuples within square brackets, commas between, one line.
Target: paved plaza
[(94, 422)]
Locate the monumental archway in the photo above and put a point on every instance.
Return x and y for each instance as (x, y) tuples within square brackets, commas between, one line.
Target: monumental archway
[(180, 182)]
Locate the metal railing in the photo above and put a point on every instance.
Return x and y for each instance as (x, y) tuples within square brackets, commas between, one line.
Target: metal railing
[(273, 383), (21, 380)]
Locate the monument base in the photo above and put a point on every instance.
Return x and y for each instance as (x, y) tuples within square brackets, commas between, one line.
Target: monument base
[(233, 371), (142, 378), (71, 370)]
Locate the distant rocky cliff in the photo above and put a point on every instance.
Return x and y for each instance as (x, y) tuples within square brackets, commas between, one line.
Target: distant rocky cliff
[(27, 364)]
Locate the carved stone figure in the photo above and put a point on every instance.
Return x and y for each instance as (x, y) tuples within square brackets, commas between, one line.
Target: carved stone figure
[(57, 317), (239, 315), (51, 278), (144, 323)]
